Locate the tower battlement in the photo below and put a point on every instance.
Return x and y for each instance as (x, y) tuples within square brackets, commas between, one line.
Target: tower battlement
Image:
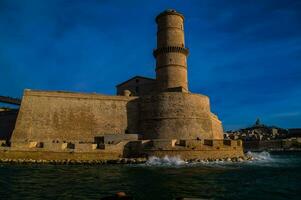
[(169, 12)]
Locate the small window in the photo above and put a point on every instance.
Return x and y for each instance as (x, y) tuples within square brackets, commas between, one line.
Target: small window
[(137, 89), (137, 80), (99, 139)]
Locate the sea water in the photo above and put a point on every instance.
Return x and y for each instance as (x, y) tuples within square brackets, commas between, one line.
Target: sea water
[(268, 176)]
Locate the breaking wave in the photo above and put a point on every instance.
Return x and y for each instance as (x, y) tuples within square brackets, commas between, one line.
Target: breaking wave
[(166, 161), (260, 156)]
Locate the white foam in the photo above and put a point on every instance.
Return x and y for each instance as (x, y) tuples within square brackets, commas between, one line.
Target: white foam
[(166, 161), (260, 156)]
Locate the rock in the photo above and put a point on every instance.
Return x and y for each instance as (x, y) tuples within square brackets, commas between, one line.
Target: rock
[(131, 161), (141, 160), (111, 161), (234, 159), (250, 158)]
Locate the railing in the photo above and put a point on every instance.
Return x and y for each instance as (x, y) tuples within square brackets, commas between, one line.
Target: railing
[(10, 100)]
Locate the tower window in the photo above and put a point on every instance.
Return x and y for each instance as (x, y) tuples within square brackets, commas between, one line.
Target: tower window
[(137, 80)]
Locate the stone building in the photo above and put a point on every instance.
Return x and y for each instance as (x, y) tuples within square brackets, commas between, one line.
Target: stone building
[(148, 116), (136, 86)]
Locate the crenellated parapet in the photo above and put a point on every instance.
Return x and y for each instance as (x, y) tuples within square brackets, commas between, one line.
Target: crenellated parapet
[(171, 49), (169, 12)]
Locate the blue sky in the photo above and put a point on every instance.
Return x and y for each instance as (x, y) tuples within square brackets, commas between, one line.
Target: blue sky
[(245, 55)]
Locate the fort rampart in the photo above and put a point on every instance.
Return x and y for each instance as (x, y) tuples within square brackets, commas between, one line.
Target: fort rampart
[(185, 149), (61, 116), (175, 115)]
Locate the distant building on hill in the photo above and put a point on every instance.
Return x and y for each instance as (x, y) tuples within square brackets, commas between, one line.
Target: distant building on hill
[(258, 132)]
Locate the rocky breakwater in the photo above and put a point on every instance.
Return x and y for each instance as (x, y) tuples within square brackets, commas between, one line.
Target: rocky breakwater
[(228, 159), (74, 162), (120, 161)]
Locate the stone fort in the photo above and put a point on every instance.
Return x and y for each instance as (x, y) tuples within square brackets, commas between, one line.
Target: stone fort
[(147, 116)]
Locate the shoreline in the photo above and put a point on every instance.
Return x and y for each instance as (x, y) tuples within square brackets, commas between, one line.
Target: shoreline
[(118, 161), (274, 150), (138, 160)]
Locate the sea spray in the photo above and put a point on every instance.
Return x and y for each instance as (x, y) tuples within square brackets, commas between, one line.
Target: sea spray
[(165, 161), (176, 161), (260, 156)]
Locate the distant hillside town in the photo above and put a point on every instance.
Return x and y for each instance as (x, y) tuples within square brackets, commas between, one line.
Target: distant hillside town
[(257, 132), (261, 137)]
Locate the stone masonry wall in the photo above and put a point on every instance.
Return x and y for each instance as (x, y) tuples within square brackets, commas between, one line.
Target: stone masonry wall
[(171, 65), (217, 128), (174, 115), (64, 116)]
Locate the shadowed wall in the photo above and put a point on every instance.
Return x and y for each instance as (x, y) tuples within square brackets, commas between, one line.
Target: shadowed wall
[(7, 123)]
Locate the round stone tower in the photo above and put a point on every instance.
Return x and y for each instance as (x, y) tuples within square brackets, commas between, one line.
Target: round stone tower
[(171, 65), (173, 112)]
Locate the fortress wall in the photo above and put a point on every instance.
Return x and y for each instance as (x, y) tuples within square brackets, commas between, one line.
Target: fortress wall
[(63, 156), (217, 128), (196, 149), (197, 154), (63, 116), (174, 115)]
